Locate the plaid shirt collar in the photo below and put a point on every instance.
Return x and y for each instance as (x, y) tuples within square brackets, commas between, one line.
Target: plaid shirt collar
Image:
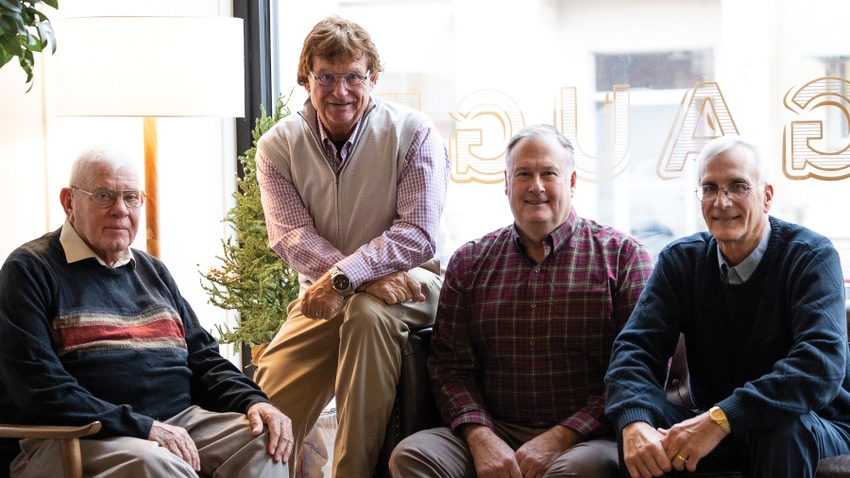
[(557, 239)]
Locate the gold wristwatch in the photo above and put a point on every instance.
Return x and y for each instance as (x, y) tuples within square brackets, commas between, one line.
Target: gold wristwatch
[(717, 416)]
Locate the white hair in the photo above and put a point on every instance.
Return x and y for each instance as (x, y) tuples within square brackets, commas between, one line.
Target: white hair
[(723, 144), (103, 155)]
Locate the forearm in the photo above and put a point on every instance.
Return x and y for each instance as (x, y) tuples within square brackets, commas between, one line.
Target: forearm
[(292, 234)]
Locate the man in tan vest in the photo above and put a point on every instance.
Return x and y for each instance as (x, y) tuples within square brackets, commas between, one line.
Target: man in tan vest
[(353, 189)]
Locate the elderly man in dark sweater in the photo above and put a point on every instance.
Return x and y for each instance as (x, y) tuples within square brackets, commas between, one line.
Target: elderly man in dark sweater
[(92, 330), (761, 305)]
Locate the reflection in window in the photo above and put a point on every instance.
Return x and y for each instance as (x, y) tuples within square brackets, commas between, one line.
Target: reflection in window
[(655, 71), (651, 209)]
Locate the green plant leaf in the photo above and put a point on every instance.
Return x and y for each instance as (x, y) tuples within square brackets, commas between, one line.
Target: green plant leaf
[(5, 58), (24, 30), (7, 26), (11, 5), (26, 60), (45, 32), (10, 44), (32, 42), (13, 24)]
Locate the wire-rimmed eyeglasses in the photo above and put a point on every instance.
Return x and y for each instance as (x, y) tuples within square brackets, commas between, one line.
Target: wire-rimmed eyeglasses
[(733, 191), (351, 80), (106, 197)]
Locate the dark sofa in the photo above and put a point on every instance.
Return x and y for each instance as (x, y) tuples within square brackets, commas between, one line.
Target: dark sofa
[(415, 409)]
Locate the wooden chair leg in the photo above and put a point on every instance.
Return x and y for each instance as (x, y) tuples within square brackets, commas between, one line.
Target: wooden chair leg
[(72, 462)]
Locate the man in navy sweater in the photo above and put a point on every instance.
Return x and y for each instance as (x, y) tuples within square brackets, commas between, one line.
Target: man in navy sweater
[(761, 306), (93, 330)]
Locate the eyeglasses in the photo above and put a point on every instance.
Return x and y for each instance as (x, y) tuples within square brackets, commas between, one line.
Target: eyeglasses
[(351, 80), (106, 197), (733, 191)]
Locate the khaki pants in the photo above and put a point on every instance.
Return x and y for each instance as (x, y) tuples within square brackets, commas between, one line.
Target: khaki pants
[(224, 440), (354, 356), (439, 453)]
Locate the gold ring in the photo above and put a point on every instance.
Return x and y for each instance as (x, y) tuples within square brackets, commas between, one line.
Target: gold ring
[(684, 460)]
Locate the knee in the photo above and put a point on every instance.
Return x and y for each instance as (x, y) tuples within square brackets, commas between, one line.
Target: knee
[(433, 452), (368, 317), (598, 458), (405, 456)]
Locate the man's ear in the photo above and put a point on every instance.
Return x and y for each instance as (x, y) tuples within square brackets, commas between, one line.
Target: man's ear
[(573, 181), (768, 198), (65, 198)]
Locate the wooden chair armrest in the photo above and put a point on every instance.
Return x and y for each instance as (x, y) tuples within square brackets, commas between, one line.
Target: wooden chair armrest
[(69, 441), (48, 431)]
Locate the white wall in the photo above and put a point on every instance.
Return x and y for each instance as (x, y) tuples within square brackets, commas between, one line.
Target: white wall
[(196, 160)]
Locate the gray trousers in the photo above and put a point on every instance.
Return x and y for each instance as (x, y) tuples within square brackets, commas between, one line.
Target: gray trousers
[(439, 453), (225, 444)]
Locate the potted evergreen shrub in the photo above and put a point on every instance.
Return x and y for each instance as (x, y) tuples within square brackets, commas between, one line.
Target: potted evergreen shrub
[(252, 279)]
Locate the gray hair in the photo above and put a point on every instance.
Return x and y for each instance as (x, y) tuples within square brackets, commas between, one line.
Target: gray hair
[(538, 132), (723, 144), (100, 156)]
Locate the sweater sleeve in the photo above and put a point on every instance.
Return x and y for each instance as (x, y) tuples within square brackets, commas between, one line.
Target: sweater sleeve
[(810, 296), (634, 383), (216, 384), (36, 388)]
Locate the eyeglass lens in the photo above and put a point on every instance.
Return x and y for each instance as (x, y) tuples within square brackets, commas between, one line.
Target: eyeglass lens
[(105, 197), (733, 191), (351, 79)]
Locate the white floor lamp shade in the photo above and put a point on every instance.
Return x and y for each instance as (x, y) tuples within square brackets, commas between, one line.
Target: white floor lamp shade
[(150, 67)]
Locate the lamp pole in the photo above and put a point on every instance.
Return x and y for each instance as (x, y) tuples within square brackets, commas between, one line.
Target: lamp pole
[(151, 187)]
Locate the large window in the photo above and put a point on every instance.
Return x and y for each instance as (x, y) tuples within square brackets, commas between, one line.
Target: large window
[(639, 86)]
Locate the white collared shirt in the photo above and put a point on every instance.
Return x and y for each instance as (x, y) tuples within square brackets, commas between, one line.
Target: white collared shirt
[(76, 249)]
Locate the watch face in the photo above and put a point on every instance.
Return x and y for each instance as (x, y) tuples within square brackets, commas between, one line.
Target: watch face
[(716, 413), (341, 282)]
